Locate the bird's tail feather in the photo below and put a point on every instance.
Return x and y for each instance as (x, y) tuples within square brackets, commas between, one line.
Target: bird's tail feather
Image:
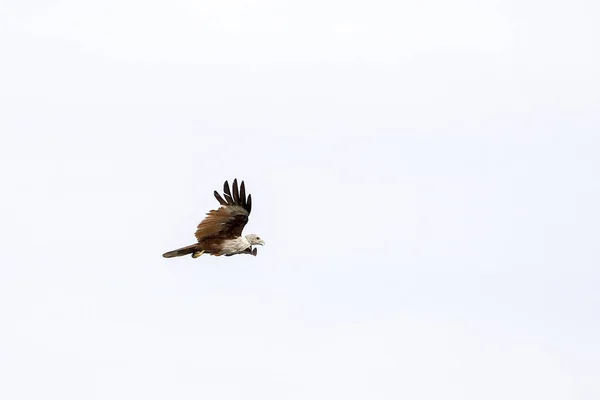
[(183, 251)]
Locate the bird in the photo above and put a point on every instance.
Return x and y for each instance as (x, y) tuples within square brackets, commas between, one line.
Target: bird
[(220, 232)]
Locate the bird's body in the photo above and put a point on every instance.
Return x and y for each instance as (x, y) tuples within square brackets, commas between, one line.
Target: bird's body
[(220, 233), (218, 247), (235, 246)]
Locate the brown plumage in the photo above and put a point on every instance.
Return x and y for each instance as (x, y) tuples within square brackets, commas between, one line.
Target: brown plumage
[(220, 233)]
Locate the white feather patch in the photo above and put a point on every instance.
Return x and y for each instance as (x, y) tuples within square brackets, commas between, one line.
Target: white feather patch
[(234, 246)]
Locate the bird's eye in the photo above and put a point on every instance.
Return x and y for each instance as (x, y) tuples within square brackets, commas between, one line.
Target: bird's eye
[(257, 238)]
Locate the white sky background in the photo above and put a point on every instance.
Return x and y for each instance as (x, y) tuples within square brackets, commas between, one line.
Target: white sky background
[(426, 175)]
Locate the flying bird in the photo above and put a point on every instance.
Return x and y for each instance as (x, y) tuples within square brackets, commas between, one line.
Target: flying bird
[(220, 233)]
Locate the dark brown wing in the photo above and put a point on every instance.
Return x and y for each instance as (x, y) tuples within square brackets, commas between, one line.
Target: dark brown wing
[(229, 220)]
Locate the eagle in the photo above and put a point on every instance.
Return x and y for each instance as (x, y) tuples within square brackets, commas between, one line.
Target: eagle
[(220, 233)]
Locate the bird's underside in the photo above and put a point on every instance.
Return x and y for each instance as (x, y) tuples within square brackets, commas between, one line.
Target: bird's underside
[(214, 247), (249, 250), (196, 250), (220, 232)]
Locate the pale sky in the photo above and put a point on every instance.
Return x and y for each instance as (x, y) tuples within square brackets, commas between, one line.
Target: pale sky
[(426, 175)]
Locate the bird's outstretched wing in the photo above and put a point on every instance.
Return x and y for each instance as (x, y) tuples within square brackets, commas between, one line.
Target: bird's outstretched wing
[(229, 220)]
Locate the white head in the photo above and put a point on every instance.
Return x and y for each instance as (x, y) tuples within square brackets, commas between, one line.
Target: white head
[(254, 239)]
